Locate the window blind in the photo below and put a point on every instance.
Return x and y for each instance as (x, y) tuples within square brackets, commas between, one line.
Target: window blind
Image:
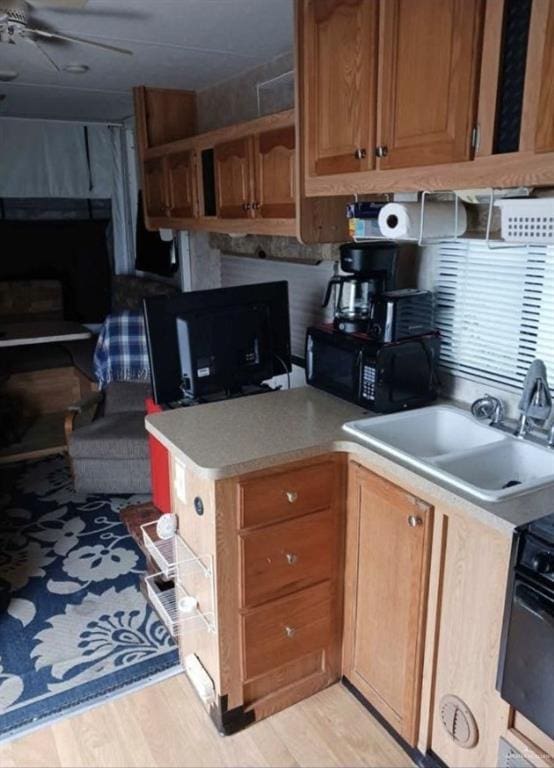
[(495, 310), (307, 284)]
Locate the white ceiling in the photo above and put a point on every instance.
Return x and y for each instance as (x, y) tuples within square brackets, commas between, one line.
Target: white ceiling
[(188, 44)]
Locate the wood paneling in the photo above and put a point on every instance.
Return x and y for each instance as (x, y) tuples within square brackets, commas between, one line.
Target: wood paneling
[(288, 556), (155, 188), (286, 494), (275, 177), (233, 179), (473, 577), (533, 740), (181, 185), (544, 138), (430, 57), (287, 629), (339, 46), (386, 583)]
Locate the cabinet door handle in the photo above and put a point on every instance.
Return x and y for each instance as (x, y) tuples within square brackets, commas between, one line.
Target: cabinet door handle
[(246, 206), (292, 559), (290, 632), (360, 154), (255, 206), (414, 521), (291, 496), (382, 151)]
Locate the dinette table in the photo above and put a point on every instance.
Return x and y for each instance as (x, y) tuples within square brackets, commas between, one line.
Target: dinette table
[(41, 332)]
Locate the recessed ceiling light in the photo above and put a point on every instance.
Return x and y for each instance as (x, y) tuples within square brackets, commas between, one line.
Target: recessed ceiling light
[(76, 69), (8, 74)]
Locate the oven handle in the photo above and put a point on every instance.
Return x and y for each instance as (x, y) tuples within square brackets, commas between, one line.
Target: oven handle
[(526, 598)]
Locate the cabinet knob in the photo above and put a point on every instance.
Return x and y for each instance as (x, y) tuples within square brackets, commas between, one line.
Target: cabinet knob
[(414, 521), (291, 496), (382, 151), (255, 206), (290, 632), (360, 154), (246, 206), (292, 559)]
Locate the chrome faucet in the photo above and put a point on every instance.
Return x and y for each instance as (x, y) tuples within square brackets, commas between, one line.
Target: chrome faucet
[(489, 407), (536, 402)]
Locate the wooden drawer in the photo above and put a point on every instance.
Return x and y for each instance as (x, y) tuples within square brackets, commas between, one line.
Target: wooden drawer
[(286, 494), (288, 556), (286, 629)]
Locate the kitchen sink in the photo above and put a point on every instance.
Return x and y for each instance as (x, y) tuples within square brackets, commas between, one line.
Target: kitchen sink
[(448, 443)]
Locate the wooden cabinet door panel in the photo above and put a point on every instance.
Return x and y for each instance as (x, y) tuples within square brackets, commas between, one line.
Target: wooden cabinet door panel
[(430, 52), (233, 178), (388, 543), (544, 140), (181, 185), (340, 72), (275, 197), (155, 189), (288, 556), (287, 629)]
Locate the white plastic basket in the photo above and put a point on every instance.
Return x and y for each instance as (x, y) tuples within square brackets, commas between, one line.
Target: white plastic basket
[(527, 220)]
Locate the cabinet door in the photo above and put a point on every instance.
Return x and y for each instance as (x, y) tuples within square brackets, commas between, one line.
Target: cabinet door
[(339, 80), (430, 52), (544, 139), (155, 190), (274, 153), (387, 556), (233, 178), (181, 185)]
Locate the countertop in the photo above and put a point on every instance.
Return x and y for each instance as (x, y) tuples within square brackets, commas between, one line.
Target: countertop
[(233, 437)]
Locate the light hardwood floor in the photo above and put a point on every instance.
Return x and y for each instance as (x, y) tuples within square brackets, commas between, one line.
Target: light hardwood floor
[(165, 725)]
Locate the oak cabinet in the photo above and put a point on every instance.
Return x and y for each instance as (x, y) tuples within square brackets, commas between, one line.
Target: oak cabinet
[(181, 184), (275, 196), (542, 39), (233, 179), (428, 78), (387, 558), (154, 184), (340, 77), (255, 176)]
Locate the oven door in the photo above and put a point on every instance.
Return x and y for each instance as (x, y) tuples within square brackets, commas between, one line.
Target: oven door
[(528, 671)]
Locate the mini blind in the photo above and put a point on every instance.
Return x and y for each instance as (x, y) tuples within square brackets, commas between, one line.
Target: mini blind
[(495, 310), (307, 284)]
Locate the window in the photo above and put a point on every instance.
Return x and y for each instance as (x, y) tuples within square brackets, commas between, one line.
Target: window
[(495, 310)]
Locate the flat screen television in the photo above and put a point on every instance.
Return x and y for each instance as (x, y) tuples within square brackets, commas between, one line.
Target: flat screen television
[(217, 341)]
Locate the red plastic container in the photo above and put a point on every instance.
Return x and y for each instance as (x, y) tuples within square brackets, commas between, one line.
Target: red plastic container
[(159, 464)]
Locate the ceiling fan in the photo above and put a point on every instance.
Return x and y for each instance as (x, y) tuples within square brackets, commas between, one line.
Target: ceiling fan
[(15, 25)]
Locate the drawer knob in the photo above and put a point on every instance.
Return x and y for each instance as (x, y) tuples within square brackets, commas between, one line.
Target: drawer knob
[(290, 631), (291, 496), (292, 559), (414, 521)]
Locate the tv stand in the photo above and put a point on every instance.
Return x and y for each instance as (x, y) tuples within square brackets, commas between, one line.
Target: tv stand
[(244, 391)]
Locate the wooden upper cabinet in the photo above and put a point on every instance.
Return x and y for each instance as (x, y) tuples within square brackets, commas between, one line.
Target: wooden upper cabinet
[(181, 183), (274, 169), (544, 141), (233, 179), (154, 191), (338, 40), (387, 563), (537, 129), (430, 56)]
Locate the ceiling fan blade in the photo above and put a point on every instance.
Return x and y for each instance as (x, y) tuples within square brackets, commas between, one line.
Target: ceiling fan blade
[(71, 39), (47, 56), (57, 3)]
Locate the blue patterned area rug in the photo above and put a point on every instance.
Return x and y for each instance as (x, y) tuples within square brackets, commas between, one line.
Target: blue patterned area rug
[(78, 630)]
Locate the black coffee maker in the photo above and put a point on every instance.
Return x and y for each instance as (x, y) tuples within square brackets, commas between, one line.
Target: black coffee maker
[(371, 269)]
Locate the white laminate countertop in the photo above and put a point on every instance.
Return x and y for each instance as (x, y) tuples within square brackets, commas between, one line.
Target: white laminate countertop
[(237, 436)]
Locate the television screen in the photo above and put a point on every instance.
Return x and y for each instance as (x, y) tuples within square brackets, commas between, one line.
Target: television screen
[(205, 342)]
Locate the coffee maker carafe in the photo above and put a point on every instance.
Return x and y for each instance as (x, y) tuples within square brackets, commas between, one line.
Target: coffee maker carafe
[(371, 269)]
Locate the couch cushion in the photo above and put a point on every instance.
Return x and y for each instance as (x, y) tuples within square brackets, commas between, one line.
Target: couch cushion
[(113, 477), (117, 436), (123, 396)]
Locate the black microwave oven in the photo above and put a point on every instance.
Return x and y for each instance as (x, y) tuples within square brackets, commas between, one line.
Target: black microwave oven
[(381, 377)]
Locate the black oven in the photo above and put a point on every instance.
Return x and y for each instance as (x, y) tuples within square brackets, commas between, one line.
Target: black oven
[(380, 377), (526, 669)]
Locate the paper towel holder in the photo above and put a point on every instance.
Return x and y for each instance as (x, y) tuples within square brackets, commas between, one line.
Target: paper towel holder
[(421, 239)]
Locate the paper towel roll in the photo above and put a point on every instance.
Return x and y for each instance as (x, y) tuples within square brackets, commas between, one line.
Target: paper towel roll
[(402, 221)]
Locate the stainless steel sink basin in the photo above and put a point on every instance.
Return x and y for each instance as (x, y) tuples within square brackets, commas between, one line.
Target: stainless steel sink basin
[(447, 443)]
